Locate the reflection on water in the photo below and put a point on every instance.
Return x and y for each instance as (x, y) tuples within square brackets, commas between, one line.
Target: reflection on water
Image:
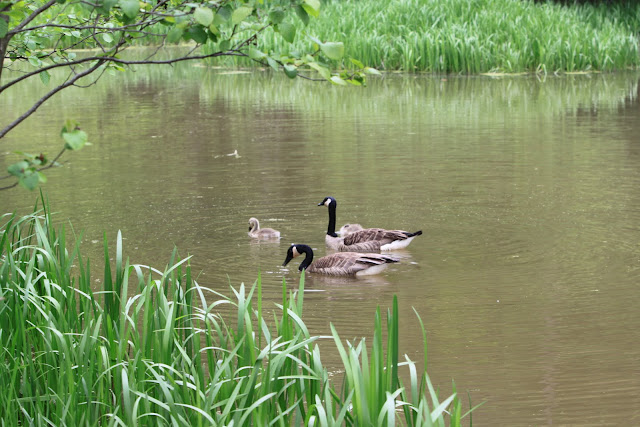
[(526, 191)]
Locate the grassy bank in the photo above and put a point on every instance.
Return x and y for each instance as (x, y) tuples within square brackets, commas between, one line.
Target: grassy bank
[(453, 36), (478, 36), (164, 355)]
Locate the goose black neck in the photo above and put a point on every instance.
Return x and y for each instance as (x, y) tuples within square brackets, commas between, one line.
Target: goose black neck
[(331, 229), (308, 256)]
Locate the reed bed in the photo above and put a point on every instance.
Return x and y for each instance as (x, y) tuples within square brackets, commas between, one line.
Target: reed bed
[(163, 355), (462, 36)]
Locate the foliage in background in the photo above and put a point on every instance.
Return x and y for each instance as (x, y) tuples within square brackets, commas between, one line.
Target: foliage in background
[(462, 36), (163, 354), (38, 37)]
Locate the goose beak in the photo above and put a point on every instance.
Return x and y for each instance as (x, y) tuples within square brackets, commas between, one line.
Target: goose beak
[(320, 204), (289, 258)]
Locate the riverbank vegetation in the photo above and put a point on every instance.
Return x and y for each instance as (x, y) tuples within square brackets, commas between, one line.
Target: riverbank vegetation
[(150, 347), (461, 36)]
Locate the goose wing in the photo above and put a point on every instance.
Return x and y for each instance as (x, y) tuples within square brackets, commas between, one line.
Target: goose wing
[(367, 246), (375, 234), (349, 263)]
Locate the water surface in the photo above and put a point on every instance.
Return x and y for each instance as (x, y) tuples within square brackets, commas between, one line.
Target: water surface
[(526, 190)]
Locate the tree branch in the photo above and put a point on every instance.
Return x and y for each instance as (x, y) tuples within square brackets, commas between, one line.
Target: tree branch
[(42, 100), (119, 61), (33, 16), (15, 184), (50, 165)]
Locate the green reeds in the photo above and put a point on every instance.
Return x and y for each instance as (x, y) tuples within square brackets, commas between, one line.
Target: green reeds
[(477, 36), (163, 354)]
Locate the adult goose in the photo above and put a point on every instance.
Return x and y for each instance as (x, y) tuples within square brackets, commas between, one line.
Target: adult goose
[(261, 233), (386, 240), (339, 263)]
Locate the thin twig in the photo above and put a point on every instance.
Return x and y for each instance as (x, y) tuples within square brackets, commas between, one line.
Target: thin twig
[(41, 101), (31, 17), (50, 165)]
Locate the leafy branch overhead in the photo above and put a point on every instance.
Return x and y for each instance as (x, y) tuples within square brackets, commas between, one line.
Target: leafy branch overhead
[(28, 171), (38, 37)]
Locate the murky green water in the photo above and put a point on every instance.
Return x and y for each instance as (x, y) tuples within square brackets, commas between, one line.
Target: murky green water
[(527, 192)]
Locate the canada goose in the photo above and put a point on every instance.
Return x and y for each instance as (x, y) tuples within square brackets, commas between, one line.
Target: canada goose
[(261, 233), (339, 263), (333, 241), (387, 240)]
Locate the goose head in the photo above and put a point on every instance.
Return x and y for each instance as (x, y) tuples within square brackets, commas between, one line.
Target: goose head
[(253, 224), (297, 250), (328, 201)]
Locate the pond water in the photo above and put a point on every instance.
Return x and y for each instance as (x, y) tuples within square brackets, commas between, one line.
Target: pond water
[(527, 191)]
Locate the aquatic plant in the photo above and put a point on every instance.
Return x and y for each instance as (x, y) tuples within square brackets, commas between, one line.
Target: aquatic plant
[(478, 36), (163, 354)]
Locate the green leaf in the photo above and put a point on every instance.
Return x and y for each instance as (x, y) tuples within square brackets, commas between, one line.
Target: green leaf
[(30, 181), (45, 77), (256, 54), (198, 34), (287, 31), (333, 50), (4, 28), (75, 139), (277, 15), (273, 63), (35, 61), (41, 178), (203, 16), (323, 71), (315, 40), (174, 35), (69, 125), (314, 4), (219, 19), (224, 45), (108, 38), (356, 63), (240, 14), (106, 5), (337, 80), (311, 11), (291, 71), (225, 12), (18, 169), (302, 14), (130, 7), (370, 70)]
